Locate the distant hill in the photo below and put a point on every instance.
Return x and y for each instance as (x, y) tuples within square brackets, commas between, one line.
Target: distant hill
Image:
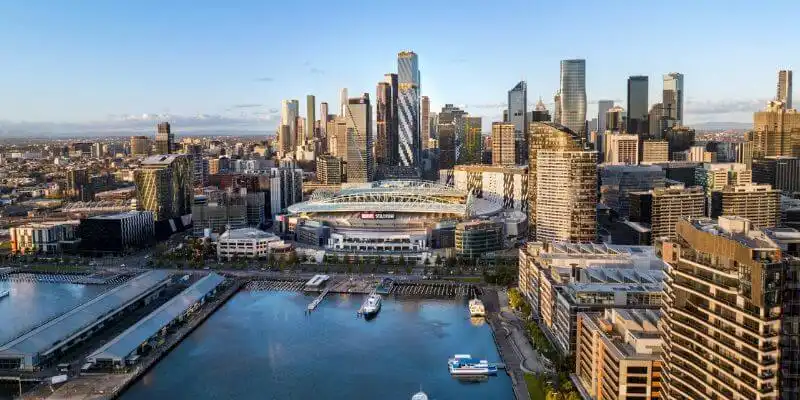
[(721, 126)]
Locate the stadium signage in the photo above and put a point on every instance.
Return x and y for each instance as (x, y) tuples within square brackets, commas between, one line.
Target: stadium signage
[(377, 216)]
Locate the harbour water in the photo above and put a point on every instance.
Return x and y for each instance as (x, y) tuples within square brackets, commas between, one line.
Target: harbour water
[(31, 303), (263, 345)]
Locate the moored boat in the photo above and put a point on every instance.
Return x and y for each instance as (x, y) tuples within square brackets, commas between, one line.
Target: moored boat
[(476, 308), (372, 305), (464, 364)]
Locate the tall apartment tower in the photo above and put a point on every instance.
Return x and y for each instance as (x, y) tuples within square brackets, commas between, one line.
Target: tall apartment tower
[(518, 116), (760, 204), (311, 107), (473, 141), (721, 317), (662, 208), (383, 101), (566, 191), (290, 110), (392, 120), (165, 140), (657, 123), (557, 108), (425, 126), (785, 88), (342, 101), (744, 153), (503, 143), (447, 145), (140, 145), (360, 164), (638, 118), (408, 108), (773, 130), (655, 151), (164, 186), (323, 119), (603, 106), (673, 97), (285, 186), (546, 136), (621, 148), (615, 120), (573, 95)]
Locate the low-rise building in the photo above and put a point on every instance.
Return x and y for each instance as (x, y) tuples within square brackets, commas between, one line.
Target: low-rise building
[(117, 233), (248, 243), (476, 238), (618, 353), (42, 237)]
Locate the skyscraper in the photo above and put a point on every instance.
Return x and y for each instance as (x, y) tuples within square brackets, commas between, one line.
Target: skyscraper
[(311, 107), (518, 116), (383, 99), (602, 108), (408, 108), (773, 131), (290, 110), (425, 126), (785, 88), (546, 136), (342, 101), (673, 97), (140, 145), (164, 186), (573, 95), (165, 141), (657, 123), (557, 108), (503, 143), (615, 120), (638, 104), (539, 113), (323, 119), (360, 167), (721, 318), (392, 121), (447, 145), (473, 142), (566, 190)]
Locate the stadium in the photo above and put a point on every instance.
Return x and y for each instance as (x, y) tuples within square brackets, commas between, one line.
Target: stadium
[(400, 216)]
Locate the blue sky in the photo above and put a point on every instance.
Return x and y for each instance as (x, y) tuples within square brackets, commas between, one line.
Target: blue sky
[(92, 60)]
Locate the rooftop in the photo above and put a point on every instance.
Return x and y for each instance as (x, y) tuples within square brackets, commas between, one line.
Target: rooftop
[(52, 334), (129, 340), (120, 215), (161, 159), (631, 333), (735, 228), (247, 233)]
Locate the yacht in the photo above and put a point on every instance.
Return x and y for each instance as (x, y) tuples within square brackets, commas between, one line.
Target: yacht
[(372, 305), (476, 308), (464, 364)]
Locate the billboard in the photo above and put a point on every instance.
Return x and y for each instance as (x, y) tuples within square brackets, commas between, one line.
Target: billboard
[(377, 215)]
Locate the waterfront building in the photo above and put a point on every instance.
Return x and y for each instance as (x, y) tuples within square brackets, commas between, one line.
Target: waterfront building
[(360, 163), (165, 139), (660, 209), (546, 136), (507, 185), (573, 95), (408, 108), (503, 144), (42, 237), (673, 97), (164, 186), (125, 349), (329, 170), (474, 239), (618, 181), (722, 311), (637, 121), (784, 94), (117, 233), (773, 131), (566, 195), (248, 243), (43, 344), (655, 151), (618, 354)]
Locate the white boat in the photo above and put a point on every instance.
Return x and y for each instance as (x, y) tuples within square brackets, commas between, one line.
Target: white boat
[(4, 293), (465, 365), (372, 305), (476, 308)]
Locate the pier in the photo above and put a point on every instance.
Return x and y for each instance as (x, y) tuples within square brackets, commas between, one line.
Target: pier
[(81, 279), (318, 300), (288, 285), (365, 285)]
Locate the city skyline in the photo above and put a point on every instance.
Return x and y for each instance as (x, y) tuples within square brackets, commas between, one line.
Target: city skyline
[(167, 69)]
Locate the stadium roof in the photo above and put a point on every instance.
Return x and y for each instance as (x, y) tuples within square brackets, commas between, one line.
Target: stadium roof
[(127, 342), (52, 334)]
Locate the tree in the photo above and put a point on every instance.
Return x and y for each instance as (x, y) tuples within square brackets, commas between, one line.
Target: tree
[(515, 299)]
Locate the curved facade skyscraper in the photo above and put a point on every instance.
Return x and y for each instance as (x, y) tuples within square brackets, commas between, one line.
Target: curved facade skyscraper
[(408, 108), (573, 95)]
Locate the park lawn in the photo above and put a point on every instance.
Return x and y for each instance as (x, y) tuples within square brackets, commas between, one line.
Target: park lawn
[(536, 388)]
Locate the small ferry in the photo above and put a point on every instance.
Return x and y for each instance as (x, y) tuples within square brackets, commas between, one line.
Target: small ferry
[(464, 365), (4, 293), (372, 305), (476, 308)]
